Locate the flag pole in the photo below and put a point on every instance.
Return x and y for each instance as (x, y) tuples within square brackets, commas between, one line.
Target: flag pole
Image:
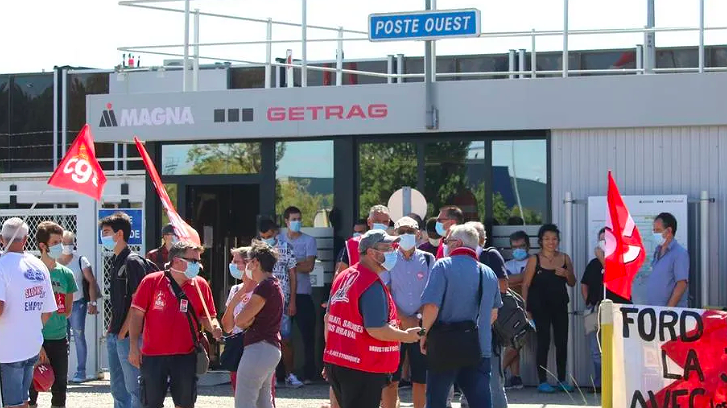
[(204, 305)]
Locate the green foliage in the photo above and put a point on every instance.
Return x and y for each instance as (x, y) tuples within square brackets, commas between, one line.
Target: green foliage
[(225, 158), (295, 193), (385, 168)]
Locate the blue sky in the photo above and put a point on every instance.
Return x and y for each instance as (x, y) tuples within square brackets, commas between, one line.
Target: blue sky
[(44, 33)]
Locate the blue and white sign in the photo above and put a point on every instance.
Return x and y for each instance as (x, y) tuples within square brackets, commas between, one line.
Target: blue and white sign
[(424, 25), (137, 222)]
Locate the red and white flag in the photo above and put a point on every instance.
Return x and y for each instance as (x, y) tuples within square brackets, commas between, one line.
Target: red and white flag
[(79, 170), (624, 248), (183, 230)]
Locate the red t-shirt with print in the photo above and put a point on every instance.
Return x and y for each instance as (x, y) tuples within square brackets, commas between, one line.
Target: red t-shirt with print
[(166, 329)]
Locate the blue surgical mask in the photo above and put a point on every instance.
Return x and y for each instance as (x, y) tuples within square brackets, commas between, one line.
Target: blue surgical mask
[(659, 238), (389, 260), (380, 226), (108, 242), (519, 254), (55, 251), (269, 241), (407, 241), (439, 227), (192, 269), (295, 226), (236, 273)]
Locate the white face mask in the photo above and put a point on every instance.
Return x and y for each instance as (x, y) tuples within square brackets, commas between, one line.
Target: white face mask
[(248, 272), (435, 242), (67, 249)]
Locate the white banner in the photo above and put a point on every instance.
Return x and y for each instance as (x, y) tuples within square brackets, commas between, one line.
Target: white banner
[(669, 357)]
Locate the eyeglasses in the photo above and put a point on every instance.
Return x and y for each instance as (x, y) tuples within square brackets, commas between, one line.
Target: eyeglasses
[(450, 241), (191, 260)]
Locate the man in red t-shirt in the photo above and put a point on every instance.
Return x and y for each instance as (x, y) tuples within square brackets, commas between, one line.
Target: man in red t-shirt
[(167, 349)]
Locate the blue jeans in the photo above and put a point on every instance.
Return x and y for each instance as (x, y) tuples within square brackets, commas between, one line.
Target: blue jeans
[(124, 376), (596, 357), (497, 379), (17, 378), (77, 325), (473, 381)]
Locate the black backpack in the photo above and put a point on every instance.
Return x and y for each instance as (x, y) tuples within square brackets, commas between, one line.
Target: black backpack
[(149, 267), (512, 324)]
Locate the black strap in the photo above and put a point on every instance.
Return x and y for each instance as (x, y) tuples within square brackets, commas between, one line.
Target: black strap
[(479, 292), (179, 293)]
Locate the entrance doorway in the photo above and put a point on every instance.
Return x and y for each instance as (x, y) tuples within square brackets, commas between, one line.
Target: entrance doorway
[(225, 216)]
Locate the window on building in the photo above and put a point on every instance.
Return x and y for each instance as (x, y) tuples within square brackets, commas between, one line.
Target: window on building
[(172, 192), (304, 179), (211, 158), (384, 168), (455, 175), (248, 77), (4, 123), (519, 181)]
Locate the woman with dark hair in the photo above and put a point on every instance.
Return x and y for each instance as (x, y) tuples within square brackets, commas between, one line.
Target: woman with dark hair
[(546, 297)]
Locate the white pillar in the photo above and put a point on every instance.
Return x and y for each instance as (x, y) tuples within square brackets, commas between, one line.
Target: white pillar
[(704, 247)]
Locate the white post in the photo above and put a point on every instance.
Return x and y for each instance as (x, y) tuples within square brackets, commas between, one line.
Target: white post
[(400, 68), (289, 73), (511, 63), (565, 38), (116, 159), (650, 37), (186, 46), (639, 58), (568, 249), (533, 57), (195, 66), (304, 54), (339, 57), (521, 62), (701, 36), (55, 130), (434, 49), (125, 157), (269, 54), (704, 247), (64, 111)]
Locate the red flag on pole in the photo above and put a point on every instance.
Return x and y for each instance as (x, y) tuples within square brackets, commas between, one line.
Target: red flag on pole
[(624, 248), (79, 170), (183, 230)]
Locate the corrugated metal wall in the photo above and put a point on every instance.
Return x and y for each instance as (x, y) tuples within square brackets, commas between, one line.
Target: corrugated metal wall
[(669, 160)]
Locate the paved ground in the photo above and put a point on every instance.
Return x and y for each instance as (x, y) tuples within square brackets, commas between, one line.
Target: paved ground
[(96, 394)]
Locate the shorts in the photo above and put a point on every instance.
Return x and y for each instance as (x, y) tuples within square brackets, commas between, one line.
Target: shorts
[(16, 380), (417, 363), (181, 369), (285, 326)]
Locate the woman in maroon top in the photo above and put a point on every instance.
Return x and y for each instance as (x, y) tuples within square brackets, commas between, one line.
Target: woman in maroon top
[(261, 318)]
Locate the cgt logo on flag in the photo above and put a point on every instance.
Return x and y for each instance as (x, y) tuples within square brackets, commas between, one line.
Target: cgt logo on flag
[(79, 170)]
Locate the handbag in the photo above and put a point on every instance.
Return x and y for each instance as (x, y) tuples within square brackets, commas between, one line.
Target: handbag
[(455, 345), (590, 319), (86, 287), (232, 354), (201, 353)]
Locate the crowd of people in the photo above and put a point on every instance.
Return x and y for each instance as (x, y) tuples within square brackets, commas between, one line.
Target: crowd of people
[(410, 301)]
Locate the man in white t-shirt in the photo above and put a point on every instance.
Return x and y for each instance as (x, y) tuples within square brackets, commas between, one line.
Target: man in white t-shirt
[(520, 245), (84, 300), (26, 303)]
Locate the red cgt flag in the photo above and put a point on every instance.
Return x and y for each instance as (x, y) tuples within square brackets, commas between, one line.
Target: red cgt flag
[(624, 248), (79, 170), (183, 230)]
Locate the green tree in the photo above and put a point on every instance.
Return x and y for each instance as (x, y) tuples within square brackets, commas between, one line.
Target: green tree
[(291, 192), (225, 158), (385, 168)]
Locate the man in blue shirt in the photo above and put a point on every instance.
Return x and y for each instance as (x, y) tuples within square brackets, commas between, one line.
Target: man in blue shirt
[(451, 296), (669, 279)]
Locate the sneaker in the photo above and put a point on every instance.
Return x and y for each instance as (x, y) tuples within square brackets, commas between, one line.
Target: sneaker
[(565, 387), (292, 381), (78, 379), (516, 383), (450, 397), (546, 388), (463, 402)]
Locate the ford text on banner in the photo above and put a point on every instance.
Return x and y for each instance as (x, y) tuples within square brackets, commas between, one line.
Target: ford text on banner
[(624, 248), (669, 357), (79, 170), (182, 229)]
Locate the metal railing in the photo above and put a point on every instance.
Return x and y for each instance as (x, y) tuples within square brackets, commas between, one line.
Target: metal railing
[(645, 53)]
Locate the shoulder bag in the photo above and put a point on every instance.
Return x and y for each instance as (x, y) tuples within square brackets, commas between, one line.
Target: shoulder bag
[(203, 360), (455, 345)]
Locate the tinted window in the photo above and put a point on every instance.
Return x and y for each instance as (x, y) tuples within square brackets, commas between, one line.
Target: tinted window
[(30, 144), (304, 177), (384, 168), (211, 158), (677, 58), (519, 181), (252, 77), (4, 123), (482, 63)]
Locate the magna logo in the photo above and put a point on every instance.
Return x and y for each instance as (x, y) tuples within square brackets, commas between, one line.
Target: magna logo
[(328, 112), (147, 117)]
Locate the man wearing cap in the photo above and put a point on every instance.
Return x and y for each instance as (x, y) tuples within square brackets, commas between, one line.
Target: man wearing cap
[(26, 304), (362, 333), (407, 281), (378, 219), (160, 256)]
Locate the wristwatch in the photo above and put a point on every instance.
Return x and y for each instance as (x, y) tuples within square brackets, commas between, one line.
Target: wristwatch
[(93, 303)]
